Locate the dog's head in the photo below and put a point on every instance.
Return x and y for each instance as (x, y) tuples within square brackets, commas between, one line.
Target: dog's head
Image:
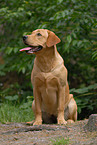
[(39, 40)]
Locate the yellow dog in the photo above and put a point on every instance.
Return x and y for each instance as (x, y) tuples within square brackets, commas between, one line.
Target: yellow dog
[(52, 101)]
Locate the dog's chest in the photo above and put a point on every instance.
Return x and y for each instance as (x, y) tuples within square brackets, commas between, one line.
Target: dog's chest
[(47, 86), (46, 82)]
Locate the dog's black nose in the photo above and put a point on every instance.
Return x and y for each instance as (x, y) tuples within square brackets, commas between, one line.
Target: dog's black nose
[(25, 37)]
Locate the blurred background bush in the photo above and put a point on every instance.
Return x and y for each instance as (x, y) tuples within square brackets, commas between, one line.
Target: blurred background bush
[(75, 23)]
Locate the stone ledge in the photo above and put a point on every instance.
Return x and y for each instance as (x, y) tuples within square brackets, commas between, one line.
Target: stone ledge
[(92, 123)]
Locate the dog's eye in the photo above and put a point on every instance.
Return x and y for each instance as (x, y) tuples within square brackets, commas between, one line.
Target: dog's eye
[(38, 34)]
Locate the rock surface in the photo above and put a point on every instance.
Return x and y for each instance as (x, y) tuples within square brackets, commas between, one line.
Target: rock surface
[(21, 134), (92, 123)]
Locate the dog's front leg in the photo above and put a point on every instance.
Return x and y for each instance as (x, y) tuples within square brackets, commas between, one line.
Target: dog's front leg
[(38, 113), (61, 102)]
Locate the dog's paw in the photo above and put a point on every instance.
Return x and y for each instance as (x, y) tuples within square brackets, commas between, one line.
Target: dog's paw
[(37, 123), (70, 121), (30, 123), (60, 122)]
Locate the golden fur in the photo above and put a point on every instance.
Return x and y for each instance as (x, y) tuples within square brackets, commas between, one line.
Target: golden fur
[(52, 101)]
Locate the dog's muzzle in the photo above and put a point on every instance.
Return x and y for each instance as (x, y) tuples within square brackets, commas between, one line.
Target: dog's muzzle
[(30, 49)]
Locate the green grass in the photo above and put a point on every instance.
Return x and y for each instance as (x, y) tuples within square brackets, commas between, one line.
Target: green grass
[(61, 141), (15, 113)]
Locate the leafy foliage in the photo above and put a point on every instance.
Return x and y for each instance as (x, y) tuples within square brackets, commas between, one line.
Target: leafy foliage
[(86, 99), (74, 21)]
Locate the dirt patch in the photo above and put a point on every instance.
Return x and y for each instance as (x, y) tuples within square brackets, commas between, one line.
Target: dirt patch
[(21, 134)]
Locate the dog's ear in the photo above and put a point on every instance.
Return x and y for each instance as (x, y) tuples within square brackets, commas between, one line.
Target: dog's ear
[(52, 39)]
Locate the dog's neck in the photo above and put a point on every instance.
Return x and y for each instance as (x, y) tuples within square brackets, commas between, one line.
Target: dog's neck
[(47, 60)]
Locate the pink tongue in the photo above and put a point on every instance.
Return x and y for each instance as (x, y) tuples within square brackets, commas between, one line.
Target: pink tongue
[(24, 49)]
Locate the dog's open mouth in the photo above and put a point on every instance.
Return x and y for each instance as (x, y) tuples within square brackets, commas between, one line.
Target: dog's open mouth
[(32, 49)]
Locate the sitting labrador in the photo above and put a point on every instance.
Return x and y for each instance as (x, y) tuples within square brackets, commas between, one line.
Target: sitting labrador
[(52, 101)]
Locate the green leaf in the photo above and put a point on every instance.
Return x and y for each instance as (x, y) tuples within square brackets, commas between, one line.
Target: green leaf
[(29, 97), (12, 98), (66, 47), (74, 42), (23, 70), (9, 50), (16, 50), (79, 44), (94, 56), (69, 39), (85, 89), (59, 1), (81, 91), (94, 86)]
